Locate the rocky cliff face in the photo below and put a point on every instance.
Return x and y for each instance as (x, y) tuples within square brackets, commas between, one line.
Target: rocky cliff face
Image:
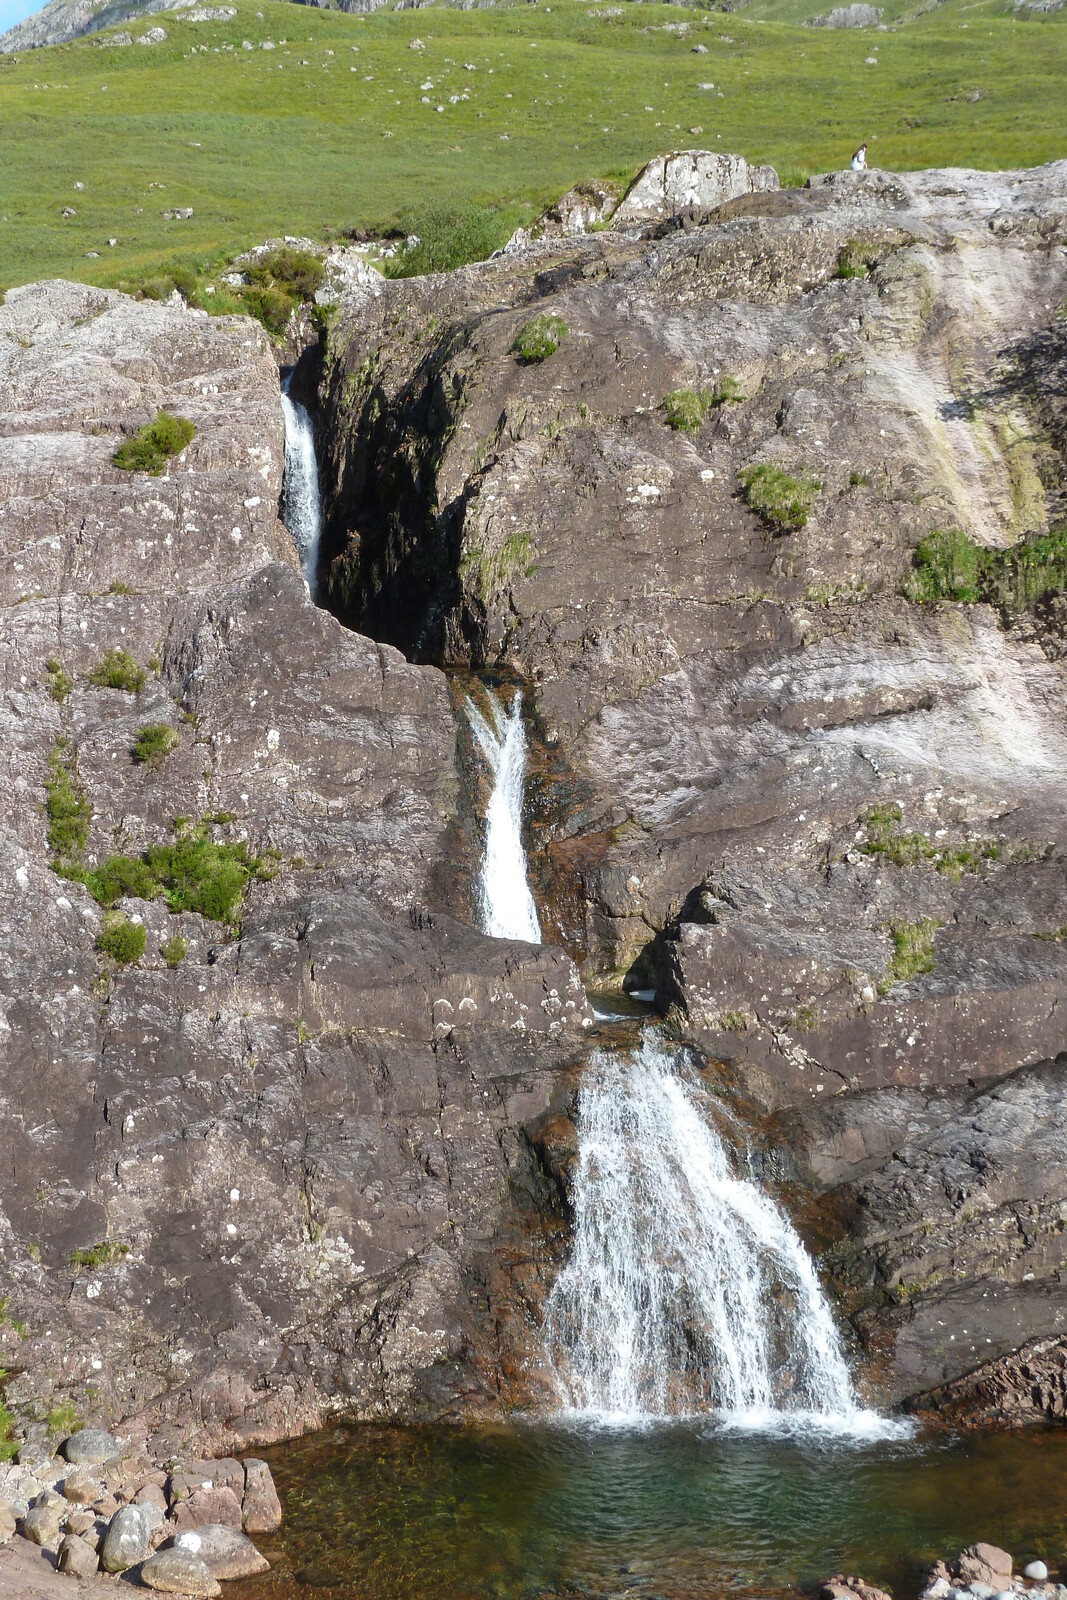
[(824, 819), (263, 1168)]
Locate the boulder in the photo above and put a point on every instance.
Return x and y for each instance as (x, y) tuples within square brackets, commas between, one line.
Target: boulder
[(699, 180), (7, 1522), (181, 1572), (856, 15), (77, 1557), (984, 1563), (90, 1447), (225, 1551), (261, 1508), (82, 1488), (126, 1540), (41, 1523), (208, 1505)]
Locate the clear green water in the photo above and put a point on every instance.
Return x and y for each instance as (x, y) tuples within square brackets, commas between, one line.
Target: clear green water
[(684, 1511)]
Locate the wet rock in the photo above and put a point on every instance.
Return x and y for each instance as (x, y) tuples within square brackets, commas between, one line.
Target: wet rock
[(91, 1447), (225, 1551), (77, 1557), (845, 1587), (178, 1571), (262, 1510), (126, 1541)]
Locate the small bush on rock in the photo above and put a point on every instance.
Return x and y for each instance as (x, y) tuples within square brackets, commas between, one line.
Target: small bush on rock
[(9, 1442), (153, 446), (946, 567), (913, 951), (684, 410), (59, 684), (117, 669), (66, 808), (104, 1254), (539, 338), (784, 502), (173, 950), (154, 741), (852, 260), (121, 939)]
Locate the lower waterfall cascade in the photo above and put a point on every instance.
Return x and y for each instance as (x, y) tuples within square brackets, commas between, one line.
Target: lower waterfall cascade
[(507, 909), (687, 1290), (301, 505)]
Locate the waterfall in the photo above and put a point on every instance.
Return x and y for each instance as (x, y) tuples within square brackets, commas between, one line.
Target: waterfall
[(687, 1289), (301, 507), (507, 906)]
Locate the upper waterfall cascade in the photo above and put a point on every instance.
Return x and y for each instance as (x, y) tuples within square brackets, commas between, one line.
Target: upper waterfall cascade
[(687, 1290), (507, 906), (301, 504)]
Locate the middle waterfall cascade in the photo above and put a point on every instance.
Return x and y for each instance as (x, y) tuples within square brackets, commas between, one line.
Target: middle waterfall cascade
[(507, 906), (301, 504), (687, 1291)]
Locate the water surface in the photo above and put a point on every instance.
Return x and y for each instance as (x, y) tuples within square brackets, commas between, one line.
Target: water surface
[(679, 1512)]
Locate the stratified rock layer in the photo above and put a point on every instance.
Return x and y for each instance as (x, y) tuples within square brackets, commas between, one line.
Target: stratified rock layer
[(265, 1174), (827, 822)]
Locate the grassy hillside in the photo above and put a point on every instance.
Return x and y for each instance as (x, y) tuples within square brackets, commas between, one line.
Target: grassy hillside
[(338, 125)]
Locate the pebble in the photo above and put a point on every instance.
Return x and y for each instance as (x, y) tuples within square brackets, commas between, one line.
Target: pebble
[(90, 1446), (179, 1572), (1036, 1570)]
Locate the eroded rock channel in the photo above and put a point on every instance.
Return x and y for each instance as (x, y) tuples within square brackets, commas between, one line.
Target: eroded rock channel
[(314, 1154)]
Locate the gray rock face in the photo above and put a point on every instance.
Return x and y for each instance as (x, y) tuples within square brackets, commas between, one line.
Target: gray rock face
[(853, 16), (282, 1164), (126, 1540), (825, 820), (687, 180)]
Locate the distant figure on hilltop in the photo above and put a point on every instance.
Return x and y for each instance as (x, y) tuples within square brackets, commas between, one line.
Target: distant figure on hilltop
[(859, 160)]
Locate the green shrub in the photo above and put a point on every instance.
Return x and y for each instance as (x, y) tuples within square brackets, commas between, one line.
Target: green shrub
[(852, 260), (154, 741), (122, 940), (104, 1254), (913, 951), (727, 392), (782, 501), (63, 1419), (59, 684), (173, 950), (269, 305), (684, 410), (192, 874), (121, 877), (297, 271), (946, 567), (539, 338), (66, 808), (117, 669), (9, 1441), (450, 236), (153, 446)]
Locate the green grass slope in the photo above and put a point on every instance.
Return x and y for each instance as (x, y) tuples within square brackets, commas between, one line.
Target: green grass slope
[(338, 125)]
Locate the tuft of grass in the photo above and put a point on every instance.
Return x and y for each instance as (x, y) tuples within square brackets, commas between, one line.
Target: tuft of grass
[(450, 235), (173, 950), (104, 1254), (784, 502), (59, 683), (117, 669), (9, 1440), (539, 338), (948, 566), (913, 952), (121, 939), (120, 588), (66, 807), (805, 1019), (888, 840), (853, 260), (734, 1021), (155, 444), (684, 410), (154, 742), (63, 1418)]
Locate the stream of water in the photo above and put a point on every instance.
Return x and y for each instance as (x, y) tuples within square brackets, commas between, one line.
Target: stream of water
[(301, 507), (506, 903)]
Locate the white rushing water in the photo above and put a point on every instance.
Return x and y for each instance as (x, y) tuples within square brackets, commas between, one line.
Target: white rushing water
[(688, 1291), (507, 906), (301, 506)]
